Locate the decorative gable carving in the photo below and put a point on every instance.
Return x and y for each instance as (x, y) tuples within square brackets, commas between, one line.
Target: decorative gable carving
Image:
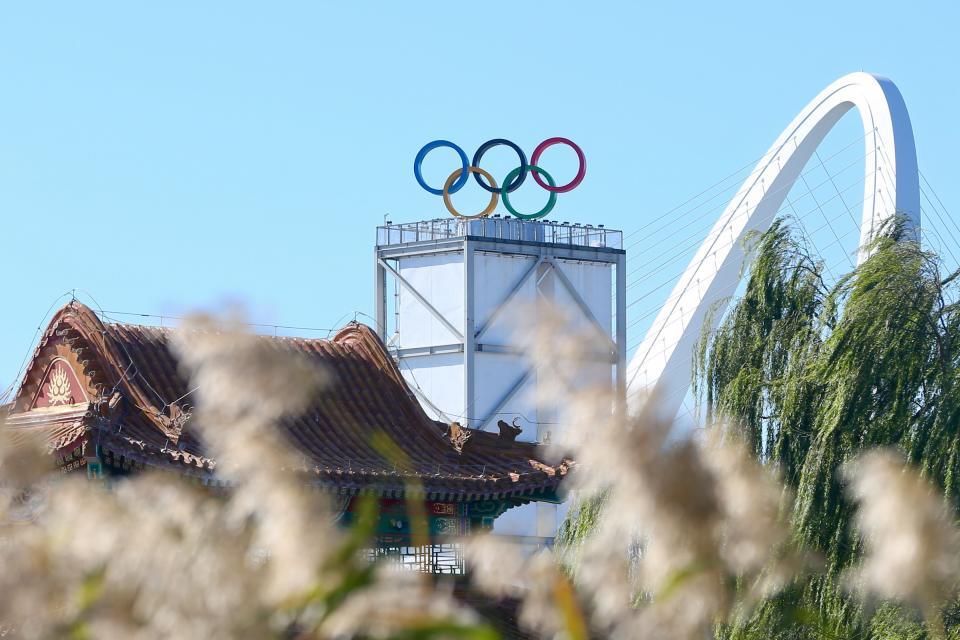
[(60, 387)]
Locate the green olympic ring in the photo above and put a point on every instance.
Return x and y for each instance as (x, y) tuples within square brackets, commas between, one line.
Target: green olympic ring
[(551, 202)]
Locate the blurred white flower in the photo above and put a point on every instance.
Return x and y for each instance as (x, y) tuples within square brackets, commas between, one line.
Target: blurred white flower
[(397, 601), (912, 546), (702, 513)]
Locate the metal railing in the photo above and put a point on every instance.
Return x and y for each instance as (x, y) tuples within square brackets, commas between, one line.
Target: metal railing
[(501, 228), (442, 558)]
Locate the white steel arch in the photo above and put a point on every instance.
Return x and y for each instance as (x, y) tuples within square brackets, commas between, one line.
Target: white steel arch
[(662, 363)]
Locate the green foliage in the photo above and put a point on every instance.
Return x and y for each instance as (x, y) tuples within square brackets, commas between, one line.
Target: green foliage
[(893, 623), (583, 518), (812, 375)]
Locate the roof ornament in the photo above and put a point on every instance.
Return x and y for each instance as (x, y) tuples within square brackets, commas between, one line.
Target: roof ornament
[(458, 436), (175, 419), (508, 433)]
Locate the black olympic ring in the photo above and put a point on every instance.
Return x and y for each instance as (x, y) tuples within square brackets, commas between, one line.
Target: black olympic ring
[(496, 142)]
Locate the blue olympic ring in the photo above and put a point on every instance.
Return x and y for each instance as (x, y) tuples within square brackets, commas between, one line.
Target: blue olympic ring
[(456, 186)]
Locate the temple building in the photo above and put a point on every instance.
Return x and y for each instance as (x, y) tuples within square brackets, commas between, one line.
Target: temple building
[(109, 400)]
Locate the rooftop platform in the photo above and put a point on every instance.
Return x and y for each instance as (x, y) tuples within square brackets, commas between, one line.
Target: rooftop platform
[(503, 229)]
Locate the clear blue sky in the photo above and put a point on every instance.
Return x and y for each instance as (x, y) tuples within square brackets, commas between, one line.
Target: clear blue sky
[(176, 155)]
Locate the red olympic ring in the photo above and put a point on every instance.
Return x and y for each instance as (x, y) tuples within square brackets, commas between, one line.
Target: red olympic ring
[(570, 186)]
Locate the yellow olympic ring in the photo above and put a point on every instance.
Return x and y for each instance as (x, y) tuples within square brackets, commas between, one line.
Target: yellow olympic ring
[(494, 197)]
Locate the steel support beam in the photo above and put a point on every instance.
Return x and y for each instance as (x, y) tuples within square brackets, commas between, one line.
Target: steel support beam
[(380, 297), (561, 276), (416, 294), (504, 349), (506, 300), (621, 331), (432, 350), (512, 391), (469, 331), (441, 349)]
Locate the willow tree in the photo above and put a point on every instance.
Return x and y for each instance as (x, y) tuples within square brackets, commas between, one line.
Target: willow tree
[(812, 374)]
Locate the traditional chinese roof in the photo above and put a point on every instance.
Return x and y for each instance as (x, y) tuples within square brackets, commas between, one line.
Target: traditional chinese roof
[(119, 387)]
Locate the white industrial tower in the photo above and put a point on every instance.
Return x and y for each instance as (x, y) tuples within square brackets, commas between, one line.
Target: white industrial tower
[(462, 289)]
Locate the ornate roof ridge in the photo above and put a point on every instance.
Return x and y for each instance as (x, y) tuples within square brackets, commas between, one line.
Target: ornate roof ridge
[(140, 411)]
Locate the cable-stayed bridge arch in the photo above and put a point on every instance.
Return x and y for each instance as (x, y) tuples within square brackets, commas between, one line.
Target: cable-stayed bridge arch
[(662, 362)]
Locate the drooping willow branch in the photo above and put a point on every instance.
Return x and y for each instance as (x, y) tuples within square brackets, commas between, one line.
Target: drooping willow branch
[(811, 376)]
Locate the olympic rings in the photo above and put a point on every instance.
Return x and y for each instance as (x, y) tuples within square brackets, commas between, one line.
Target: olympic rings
[(551, 201), (514, 179), (477, 171)]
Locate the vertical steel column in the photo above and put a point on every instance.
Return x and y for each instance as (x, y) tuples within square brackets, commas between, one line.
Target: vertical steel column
[(621, 329), (469, 334), (546, 296), (545, 523), (380, 295)]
